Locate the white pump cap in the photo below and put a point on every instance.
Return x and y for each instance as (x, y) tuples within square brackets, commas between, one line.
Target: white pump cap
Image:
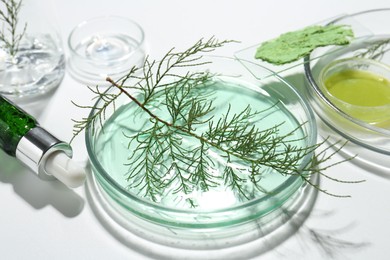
[(65, 169), (49, 157)]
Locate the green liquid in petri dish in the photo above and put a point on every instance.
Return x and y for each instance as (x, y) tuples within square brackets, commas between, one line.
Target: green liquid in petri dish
[(113, 147), (363, 93)]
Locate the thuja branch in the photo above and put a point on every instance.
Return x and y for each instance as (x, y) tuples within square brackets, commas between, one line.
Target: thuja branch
[(173, 151), (9, 36), (211, 139), (142, 106), (148, 79), (375, 51), (232, 136), (181, 128)]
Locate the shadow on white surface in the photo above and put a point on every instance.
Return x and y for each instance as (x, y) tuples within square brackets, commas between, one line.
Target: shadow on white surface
[(159, 242), (245, 241), (36, 192), (327, 243)]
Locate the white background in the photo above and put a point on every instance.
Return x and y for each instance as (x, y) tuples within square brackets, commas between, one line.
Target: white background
[(44, 220)]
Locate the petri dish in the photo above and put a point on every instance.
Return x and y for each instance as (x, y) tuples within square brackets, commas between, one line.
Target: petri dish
[(105, 46), (360, 87), (219, 206), (369, 140), (363, 132)]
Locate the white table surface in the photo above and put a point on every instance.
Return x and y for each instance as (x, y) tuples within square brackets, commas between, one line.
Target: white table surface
[(44, 220)]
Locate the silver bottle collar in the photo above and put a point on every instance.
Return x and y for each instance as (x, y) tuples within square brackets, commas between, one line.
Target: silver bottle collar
[(34, 148)]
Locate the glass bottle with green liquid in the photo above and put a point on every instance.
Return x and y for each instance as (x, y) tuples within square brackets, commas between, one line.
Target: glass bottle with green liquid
[(23, 138)]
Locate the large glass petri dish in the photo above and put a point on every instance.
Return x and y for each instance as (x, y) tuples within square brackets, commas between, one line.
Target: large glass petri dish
[(233, 87)]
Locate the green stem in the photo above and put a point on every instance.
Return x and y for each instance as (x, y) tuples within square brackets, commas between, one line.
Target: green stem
[(137, 102)]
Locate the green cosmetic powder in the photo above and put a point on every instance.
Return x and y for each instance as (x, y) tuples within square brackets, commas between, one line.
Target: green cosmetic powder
[(292, 46)]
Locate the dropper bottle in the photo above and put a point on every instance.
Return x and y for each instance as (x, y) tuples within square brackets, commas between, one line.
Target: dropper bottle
[(47, 156)]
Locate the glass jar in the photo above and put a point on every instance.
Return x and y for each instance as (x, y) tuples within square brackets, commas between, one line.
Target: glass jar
[(34, 61)]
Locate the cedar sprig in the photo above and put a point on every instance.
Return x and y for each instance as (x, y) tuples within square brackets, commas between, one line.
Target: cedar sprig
[(160, 162), (9, 36)]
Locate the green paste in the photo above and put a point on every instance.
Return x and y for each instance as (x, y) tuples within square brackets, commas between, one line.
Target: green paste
[(292, 46)]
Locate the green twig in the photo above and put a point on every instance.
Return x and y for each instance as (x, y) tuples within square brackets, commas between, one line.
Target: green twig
[(159, 161), (9, 36)]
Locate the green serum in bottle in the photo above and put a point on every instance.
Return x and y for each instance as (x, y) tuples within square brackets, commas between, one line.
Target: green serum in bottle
[(14, 124), (22, 137)]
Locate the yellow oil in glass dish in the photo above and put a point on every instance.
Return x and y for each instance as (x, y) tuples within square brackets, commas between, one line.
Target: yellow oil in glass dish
[(360, 88)]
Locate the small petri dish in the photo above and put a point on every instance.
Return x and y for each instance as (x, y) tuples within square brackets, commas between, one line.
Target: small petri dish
[(220, 206), (105, 46), (360, 87)]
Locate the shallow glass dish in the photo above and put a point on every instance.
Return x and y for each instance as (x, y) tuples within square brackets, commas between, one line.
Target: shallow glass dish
[(359, 87), (105, 46), (233, 87), (375, 47)]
